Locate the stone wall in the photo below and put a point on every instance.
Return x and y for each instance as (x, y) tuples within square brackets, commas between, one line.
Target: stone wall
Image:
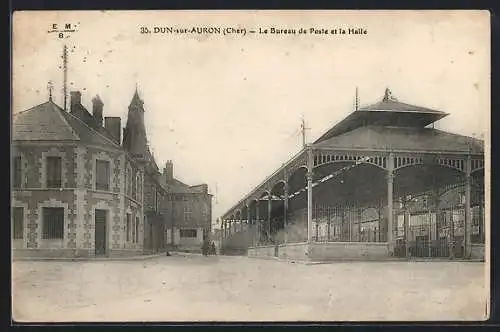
[(293, 251), (261, 251), (33, 202), (200, 205), (333, 251), (79, 198), (33, 165), (477, 252), (318, 252), (190, 244)]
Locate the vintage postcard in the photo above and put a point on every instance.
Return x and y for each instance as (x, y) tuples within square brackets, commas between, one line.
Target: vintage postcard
[(250, 166)]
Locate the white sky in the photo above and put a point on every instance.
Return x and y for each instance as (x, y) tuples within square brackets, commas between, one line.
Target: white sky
[(227, 109)]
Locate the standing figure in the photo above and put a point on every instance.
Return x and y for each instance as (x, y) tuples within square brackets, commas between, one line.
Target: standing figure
[(452, 250), (204, 248)]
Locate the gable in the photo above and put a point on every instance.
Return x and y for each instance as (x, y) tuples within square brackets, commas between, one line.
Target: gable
[(44, 122)]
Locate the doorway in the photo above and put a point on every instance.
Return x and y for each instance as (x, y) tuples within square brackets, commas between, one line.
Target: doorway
[(100, 232)]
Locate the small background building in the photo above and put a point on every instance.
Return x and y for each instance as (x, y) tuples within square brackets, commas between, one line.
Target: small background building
[(190, 212)]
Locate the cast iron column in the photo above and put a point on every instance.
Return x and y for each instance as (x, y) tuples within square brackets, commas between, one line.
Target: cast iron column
[(285, 211), (258, 223), (310, 162), (224, 229), (390, 213), (468, 214), (269, 207), (248, 216), (406, 216), (241, 222), (360, 214), (481, 219)]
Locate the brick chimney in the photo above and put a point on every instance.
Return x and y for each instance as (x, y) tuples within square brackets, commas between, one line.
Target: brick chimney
[(75, 100), (168, 171), (204, 188), (97, 106), (113, 125)]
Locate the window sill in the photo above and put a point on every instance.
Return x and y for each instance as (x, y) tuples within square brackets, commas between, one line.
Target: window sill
[(133, 199), (104, 192), (41, 189)]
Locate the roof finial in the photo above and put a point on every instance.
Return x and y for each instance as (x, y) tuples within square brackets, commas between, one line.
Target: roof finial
[(50, 86), (136, 99), (356, 101), (387, 95)]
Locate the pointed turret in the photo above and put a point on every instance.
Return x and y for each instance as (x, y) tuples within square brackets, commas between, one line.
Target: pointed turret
[(136, 100), (134, 136)]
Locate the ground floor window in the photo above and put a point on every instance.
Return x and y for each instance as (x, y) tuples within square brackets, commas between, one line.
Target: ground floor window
[(18, 222), (136, 229), (128, 227), (189, 233), (53, 223)]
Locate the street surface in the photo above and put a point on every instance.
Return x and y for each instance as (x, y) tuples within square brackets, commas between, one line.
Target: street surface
[(196, 288)]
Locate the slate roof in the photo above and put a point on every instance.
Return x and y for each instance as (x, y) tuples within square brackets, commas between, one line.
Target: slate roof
[(42, 122), (136, 100), (403, 138), (49, 122), (394, 105), (389, 112), (175, 186)]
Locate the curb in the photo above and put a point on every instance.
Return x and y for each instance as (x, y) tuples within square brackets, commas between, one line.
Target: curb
[(86, 259), (181, 253), (291, 261), (296, 261)]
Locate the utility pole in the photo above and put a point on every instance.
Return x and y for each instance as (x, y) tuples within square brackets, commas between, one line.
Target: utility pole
[(303, 132), (216, 193), (65, 77)]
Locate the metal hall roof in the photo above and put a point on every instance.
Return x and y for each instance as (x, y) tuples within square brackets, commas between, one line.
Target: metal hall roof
[(387, 112), (376, 137)]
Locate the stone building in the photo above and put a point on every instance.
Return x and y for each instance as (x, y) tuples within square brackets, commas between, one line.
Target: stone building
[(188, 212), (136, 144), (78, 190), (71, 195), (168, 203)]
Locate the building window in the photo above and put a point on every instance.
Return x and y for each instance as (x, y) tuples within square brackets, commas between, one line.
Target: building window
[(17, 172), (133, 232), (129, 227), (18, 223), (139, 186), (187, 212), (134, 187), (205, 212), (136, 229), (102, 175), (190, 233), (155, 201), (54, 172), (53, 223), (128, 182)]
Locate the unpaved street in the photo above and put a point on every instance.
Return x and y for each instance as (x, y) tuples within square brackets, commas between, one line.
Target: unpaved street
[(195, 288)]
